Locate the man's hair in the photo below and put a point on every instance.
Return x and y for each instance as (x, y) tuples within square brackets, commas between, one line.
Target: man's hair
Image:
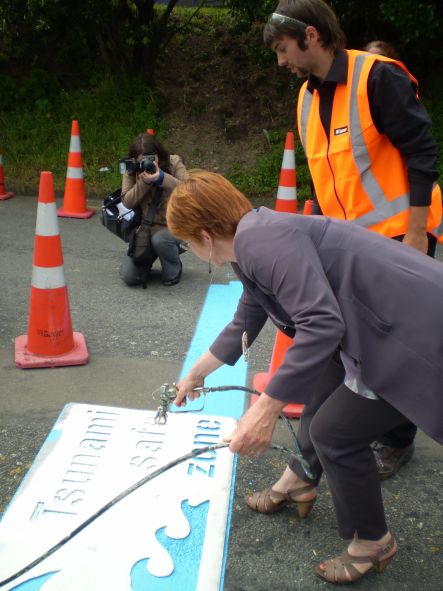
[(205, 201), (315, 13)]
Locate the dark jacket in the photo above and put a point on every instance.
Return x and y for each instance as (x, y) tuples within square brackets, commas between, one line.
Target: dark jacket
[(337, 285)]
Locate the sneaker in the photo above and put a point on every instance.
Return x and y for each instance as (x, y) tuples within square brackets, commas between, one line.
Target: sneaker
[(391, 459)]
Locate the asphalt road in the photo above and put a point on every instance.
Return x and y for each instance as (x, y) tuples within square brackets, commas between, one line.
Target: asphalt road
[(137, 340)]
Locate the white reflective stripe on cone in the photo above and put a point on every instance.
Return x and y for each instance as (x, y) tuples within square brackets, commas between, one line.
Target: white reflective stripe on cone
[(288, 159), (47, 222), (74, 172), (48, 277), (286, 193), (75, 145)]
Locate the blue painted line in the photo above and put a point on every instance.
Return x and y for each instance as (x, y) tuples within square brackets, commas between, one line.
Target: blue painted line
[(218, 309)]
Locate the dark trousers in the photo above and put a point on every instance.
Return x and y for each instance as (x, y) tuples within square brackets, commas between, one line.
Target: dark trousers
[(166, 248), (336, 430)]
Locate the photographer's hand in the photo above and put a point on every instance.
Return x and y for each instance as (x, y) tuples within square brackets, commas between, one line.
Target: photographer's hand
[(150, 178)]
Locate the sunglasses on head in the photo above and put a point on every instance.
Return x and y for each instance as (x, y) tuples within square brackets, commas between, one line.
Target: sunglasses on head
[(282, 19)]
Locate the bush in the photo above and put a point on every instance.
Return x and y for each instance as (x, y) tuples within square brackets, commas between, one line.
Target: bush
[(37, 138)]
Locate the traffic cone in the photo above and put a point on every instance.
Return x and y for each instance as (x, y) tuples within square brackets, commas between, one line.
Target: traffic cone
[(50, 341), (308, 207), (3, 193), (261, 380), (74, 202), (287, 187)]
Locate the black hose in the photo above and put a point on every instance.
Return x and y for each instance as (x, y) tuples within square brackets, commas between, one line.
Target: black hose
[(297, 453), (115, 500)]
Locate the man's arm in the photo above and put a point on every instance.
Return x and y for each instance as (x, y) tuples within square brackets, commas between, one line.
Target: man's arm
[(400, 115)]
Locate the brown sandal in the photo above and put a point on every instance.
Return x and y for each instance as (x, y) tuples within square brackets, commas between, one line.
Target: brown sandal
[(263, 503), (337, 569)]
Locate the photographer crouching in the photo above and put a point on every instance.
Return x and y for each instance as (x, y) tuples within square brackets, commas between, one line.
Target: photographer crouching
[(149, 175)]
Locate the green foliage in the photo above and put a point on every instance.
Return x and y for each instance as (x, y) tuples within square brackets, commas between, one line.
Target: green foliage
[(52, 73), (262, 179), (73, 40), (248, 11), (413, 27), (37, 138)]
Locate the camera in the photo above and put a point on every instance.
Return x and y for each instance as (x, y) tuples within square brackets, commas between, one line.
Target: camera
[(146, 164)]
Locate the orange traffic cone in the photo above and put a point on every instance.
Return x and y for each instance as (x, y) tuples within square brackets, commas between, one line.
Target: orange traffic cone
[(308, 207), (287, 187), (3, 193), (74, 202), (261, 380), (50, 341)]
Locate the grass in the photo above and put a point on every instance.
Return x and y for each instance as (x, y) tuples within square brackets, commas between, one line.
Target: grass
[(36, 137), (261, 181)]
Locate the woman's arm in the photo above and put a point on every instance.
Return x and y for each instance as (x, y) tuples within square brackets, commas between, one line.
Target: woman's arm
[(134, 189), (195, 378), (178, 173)]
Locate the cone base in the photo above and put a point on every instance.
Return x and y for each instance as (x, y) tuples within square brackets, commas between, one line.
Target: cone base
[(25, 359), (72, 214), (260, 381), (8, 195)]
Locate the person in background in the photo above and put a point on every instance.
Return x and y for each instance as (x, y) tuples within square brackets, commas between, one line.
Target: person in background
[(149, 192), (381, 48), (371, 156), (341, 291)]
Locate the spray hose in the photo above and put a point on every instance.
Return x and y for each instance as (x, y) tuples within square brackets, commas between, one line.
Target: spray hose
[(167, 393)]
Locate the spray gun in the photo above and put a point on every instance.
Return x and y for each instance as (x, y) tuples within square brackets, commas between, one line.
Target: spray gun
[(167, 393)]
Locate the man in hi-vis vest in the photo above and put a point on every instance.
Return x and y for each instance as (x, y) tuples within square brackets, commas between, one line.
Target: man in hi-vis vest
[(370, 153)]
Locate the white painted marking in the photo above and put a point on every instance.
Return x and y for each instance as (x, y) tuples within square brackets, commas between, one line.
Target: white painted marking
[(93, 454)]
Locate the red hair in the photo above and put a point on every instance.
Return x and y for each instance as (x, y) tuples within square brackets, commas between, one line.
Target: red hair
[(205, 201)]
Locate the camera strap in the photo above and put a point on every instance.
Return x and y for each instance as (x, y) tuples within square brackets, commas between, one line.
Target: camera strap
[(148, 219)]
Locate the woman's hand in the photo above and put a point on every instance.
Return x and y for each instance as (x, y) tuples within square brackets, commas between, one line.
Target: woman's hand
[(204, 365), (185, 389), (254, 432), (153, 177)]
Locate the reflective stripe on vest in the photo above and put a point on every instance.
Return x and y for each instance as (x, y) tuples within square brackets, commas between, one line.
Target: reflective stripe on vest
[(379, 207)]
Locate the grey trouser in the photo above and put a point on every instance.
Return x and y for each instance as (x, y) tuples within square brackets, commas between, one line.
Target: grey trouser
[(166, 248)]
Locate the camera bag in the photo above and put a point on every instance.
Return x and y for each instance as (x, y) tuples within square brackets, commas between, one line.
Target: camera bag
[(117, 218)]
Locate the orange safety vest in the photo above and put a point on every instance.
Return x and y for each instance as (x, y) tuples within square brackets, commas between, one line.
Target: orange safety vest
[(358, 174)]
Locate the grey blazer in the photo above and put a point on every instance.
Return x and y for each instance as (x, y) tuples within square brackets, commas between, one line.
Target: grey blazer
[(339, 286)]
